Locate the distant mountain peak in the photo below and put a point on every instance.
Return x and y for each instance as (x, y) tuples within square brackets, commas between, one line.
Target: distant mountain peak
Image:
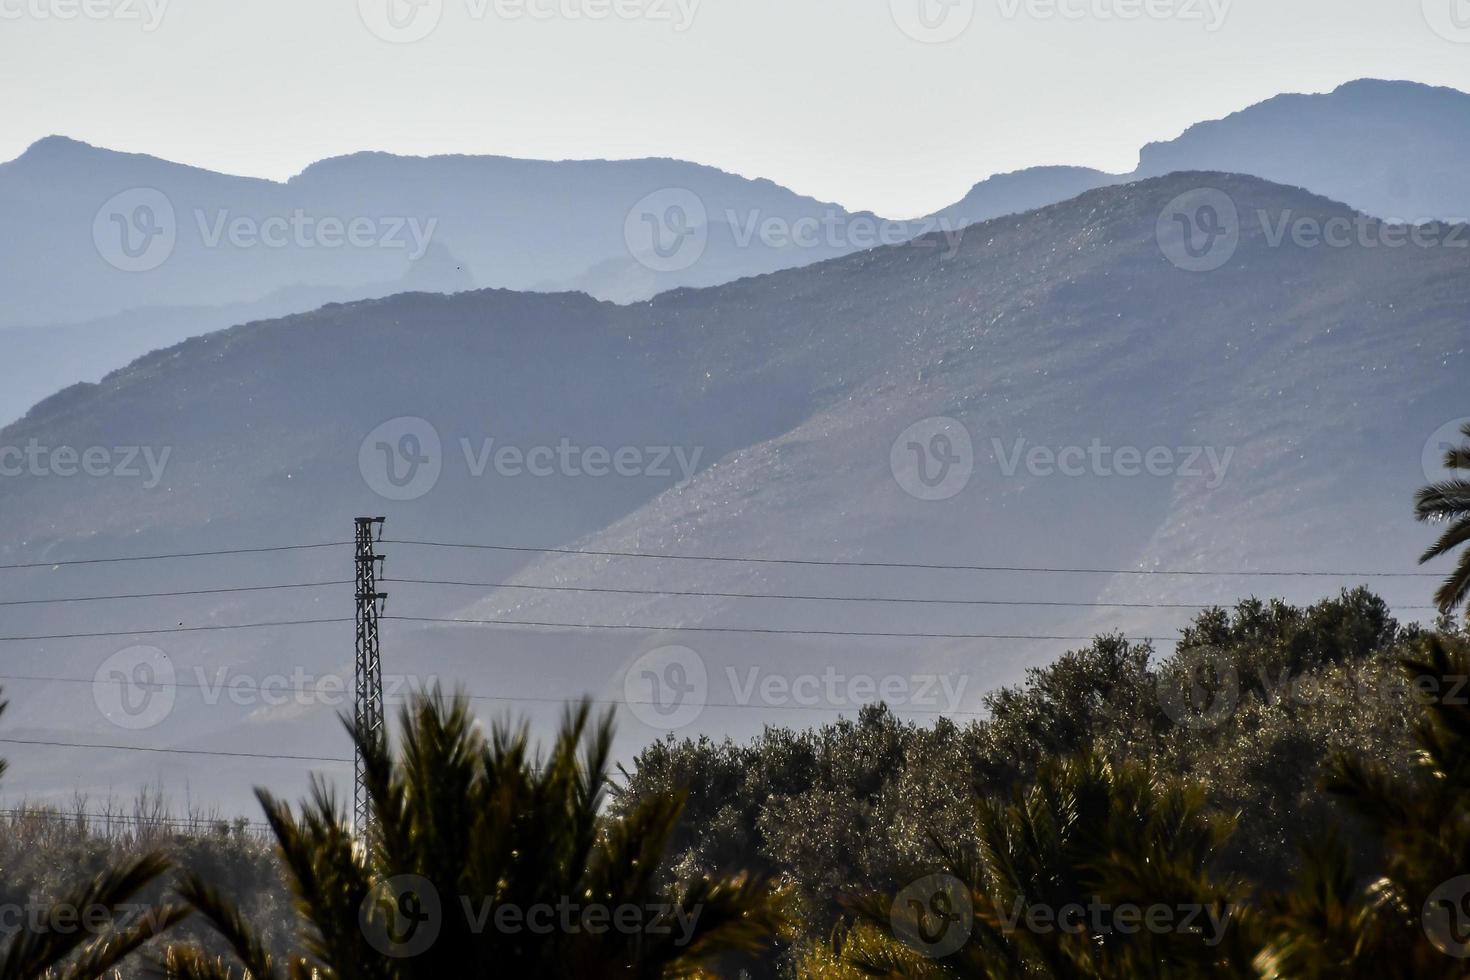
[(56, 147), (1394, 86), (1399, 97)]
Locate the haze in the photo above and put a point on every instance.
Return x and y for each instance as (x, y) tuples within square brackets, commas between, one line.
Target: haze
[(828, 98)]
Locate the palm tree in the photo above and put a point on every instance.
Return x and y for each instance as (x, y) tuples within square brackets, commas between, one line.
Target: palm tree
[(486, 861), (1087, 839), (57, 949), (1449, 501), (53, 946), (1411, 920)]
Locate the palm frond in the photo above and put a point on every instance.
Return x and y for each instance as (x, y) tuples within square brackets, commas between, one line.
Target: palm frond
[(34, 952)]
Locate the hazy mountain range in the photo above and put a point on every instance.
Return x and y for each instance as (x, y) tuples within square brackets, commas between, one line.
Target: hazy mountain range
[(1281, 390), (242, 249)]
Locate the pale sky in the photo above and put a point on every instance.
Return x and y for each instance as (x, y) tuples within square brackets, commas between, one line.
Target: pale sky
[(832, 98)]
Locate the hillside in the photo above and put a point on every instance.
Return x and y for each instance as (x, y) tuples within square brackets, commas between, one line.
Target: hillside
[(448, 223), (1300, 368)]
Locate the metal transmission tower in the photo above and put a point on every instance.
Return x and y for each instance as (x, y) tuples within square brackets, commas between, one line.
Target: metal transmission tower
[(369, 684)]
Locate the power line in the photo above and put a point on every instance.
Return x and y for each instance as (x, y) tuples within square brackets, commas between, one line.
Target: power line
[(169, 595), (574, 626), (823, 563), (92, 816), (178, 554), (832, 563), (824, 598), (163, 751), (191, 752), (753, 629), (281, 689), (172, 629), (680, 593)]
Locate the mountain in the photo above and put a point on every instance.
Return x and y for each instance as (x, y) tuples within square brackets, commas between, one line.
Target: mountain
[(41, 361), (1386, 148), (212, 250), (1024, 190), (1128, 408), (618, 230), (93, 232)]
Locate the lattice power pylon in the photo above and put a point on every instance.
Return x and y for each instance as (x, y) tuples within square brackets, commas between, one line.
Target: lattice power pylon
[(369, 682)]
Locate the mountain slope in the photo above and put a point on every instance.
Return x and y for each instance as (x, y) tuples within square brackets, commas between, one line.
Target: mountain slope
[(344, 222), (586, 226), (1315, 375), (1386, 148)]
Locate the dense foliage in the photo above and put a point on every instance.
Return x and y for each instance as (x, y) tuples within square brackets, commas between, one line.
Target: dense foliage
[(483, 860), (1253, 706), (1285, 795)]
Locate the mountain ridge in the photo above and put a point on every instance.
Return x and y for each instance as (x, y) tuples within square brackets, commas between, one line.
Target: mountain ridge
[(1303, 369)]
